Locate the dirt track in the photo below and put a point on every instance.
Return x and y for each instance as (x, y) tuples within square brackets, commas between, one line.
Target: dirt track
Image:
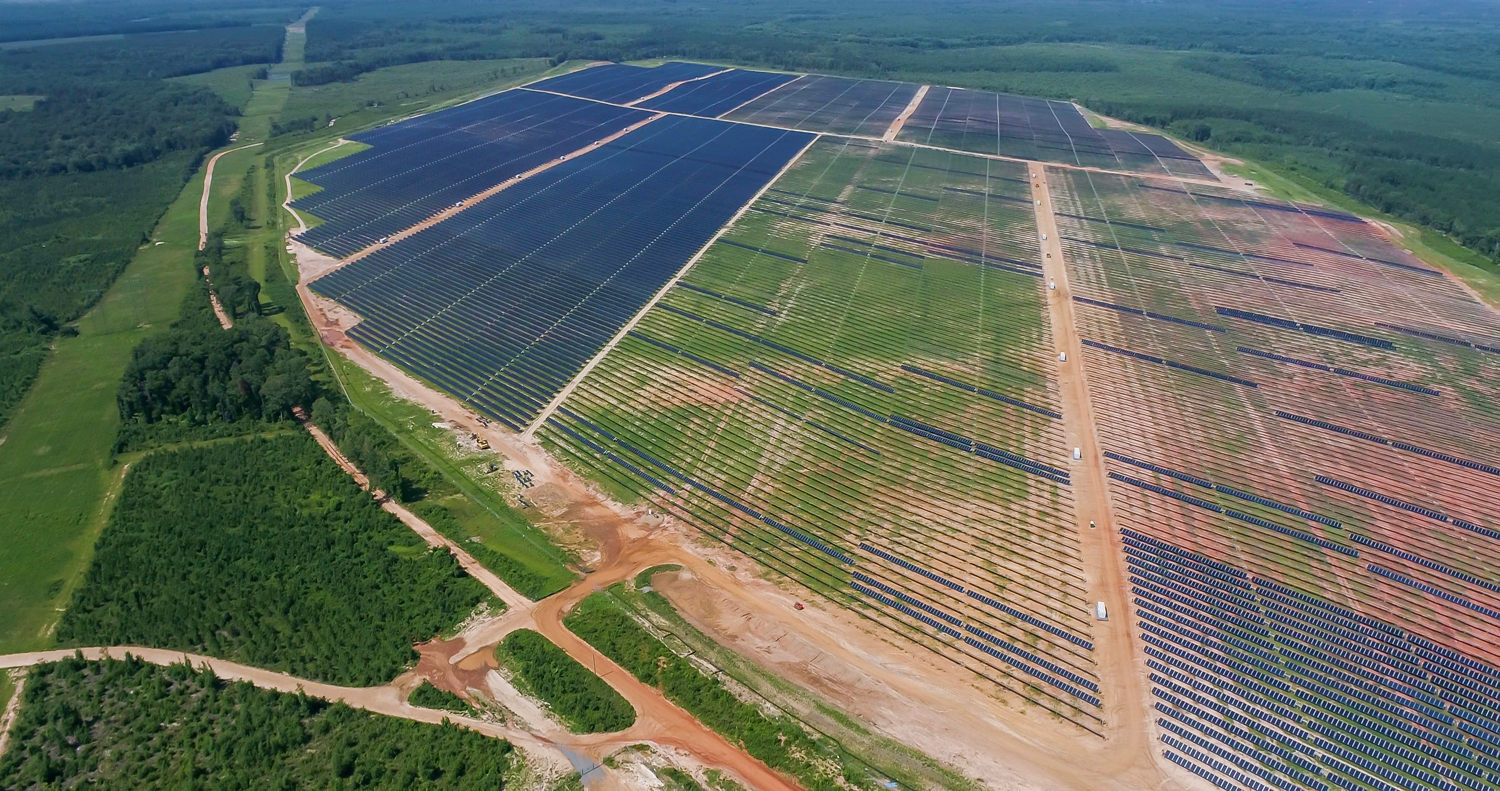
[(387, 700), (911, 107), (1128, 721), (1010, 749), (208, 183), (657, 720)]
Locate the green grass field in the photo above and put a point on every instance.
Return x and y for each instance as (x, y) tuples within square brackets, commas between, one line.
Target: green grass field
[(19, 103), (235, 84), (57, 477)]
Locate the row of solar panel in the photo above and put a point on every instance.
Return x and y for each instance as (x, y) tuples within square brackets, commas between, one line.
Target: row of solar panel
[(503, 303), (1387, 704)]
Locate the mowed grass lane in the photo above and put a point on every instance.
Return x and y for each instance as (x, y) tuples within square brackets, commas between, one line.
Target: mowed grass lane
[(57, 476)]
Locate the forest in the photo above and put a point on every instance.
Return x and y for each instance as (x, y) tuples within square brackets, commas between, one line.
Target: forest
[(123, 723), (86, 173), (429, 697), (198, 372), (778, 741), (263, 551), (579, 698)]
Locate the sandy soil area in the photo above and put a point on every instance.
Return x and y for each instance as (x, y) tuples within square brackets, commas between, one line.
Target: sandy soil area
[(12, 708), (911, 107)]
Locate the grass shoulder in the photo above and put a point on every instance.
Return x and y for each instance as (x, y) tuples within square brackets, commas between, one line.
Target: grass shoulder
[(883, 757), (582, 700), (772, 737)]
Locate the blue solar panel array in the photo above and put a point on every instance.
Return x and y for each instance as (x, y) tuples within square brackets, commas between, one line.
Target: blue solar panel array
[(505, 302), (618, 83), (1261, 685), (419, 167), (713, 96)]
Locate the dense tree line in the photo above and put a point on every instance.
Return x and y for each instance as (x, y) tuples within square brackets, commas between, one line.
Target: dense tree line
[(107, 104), (581, 699), (777, 741), (162, 119), (390, 466), (27, 20), (197, 373), (126, 724), (263, 551)]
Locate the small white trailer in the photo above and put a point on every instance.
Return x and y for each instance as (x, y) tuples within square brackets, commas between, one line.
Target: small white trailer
[(1101, 613)]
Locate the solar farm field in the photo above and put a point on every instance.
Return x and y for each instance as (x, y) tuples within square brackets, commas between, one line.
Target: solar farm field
[(836, 105), (503, 303), (423, 165), (853, 386), (1302, 433), (1039, 129), (714, 96), (618, 83)]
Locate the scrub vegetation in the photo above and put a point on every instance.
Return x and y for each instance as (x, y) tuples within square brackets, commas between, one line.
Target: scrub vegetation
[(579, 698), (128, 724), (264, 552)]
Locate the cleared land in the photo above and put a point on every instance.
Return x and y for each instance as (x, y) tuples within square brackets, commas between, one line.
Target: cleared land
[(852, 387), (1300, 429)]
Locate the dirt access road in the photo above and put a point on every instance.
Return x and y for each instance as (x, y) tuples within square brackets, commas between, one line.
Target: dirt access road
[(657, 719), (1128, 719), (1010, 748), (208, 185)]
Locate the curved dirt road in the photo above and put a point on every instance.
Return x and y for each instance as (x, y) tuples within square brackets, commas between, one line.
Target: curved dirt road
[(657, 719), (208, 184)]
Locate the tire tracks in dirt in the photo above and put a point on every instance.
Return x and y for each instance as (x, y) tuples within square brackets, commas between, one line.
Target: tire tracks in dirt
[(1128, 731)]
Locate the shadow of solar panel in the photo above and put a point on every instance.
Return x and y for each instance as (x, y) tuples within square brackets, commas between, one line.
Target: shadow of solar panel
[(619, 83), (422, 166), (504, 303), (713, 96)]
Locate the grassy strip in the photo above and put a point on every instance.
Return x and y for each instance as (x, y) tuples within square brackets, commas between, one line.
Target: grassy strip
[(578, 697), (57, 473), (446, 520), (776, 740), (429, 697), (127, 724)]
